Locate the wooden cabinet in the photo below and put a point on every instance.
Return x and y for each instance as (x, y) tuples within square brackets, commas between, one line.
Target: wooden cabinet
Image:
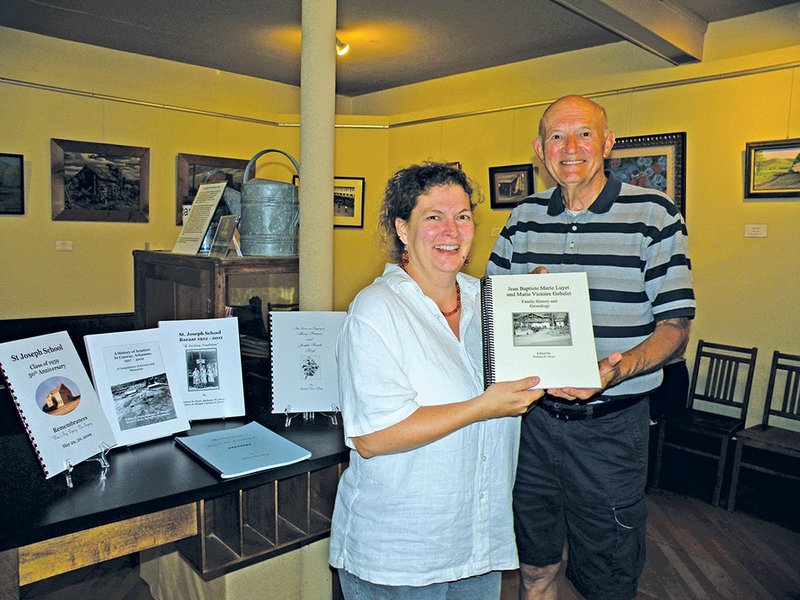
[(173, 286)]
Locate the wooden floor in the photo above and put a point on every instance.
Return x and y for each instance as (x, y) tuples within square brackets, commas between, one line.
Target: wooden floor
[(694, 551)]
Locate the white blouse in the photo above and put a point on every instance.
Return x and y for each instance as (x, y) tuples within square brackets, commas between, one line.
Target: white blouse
[(443, 511)]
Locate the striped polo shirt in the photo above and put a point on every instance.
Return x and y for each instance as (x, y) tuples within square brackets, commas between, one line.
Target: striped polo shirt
[(633, 246)]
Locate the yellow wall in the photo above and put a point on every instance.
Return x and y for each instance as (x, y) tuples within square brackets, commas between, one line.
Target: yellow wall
[(746, 288), (97, 275)]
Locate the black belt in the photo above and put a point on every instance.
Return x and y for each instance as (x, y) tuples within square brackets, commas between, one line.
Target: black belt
[(564, 411)]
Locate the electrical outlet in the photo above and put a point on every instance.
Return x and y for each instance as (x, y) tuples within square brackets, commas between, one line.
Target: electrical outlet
[(755, 230), (63, 245)]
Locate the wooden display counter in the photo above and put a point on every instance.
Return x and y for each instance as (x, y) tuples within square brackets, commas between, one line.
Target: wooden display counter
[(155, 494)]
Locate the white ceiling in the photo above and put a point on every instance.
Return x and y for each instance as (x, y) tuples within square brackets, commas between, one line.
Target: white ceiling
[(393, 42)]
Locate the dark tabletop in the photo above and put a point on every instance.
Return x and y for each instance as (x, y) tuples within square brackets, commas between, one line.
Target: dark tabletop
[(142, 479)]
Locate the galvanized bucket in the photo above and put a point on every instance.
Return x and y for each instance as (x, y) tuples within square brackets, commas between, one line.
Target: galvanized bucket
[(270, 213)]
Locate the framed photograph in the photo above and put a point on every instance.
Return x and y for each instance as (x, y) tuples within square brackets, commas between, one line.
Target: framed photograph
[(99, 182), (772, 169), (12, 194), (348, 201), (652, 161), (508, 185), (194, 169)]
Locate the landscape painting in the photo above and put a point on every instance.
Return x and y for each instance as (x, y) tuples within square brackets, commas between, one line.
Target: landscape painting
[(772, 169), (509, 185), (99, 182), (11, 185)]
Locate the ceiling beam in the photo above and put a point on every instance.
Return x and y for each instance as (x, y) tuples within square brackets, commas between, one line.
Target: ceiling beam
[(661, 27)]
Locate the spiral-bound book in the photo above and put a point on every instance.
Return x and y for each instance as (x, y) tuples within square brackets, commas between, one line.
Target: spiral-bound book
[(303, 360), (538, 325), (204, 365), (131, 379), (55, 399)]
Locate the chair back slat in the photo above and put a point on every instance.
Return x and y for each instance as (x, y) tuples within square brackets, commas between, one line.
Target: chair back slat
[(722, 378), (791, 391), (783, 390), (721, 382)]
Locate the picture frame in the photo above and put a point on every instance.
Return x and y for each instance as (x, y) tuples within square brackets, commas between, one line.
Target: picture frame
[(12, 184), (193, 169), (772, 169), (655, 161), (348, 201), (99, 182), (510, 184)]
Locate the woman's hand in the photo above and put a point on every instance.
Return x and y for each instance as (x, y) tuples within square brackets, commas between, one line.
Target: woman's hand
[(509, 398)]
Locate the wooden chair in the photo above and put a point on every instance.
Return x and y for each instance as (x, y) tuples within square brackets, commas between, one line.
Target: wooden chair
[(716, 408), (779, 431)]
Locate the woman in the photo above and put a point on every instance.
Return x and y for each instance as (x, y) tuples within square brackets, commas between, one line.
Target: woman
[(424, 509)]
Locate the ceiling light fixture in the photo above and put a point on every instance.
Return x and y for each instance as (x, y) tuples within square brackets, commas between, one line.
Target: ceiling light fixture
[(341, 48)]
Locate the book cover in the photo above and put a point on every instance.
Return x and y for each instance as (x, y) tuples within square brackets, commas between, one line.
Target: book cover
[(303, 350), (196, 224), (55, 399), (538, 325), (223, 235), (242, 450), (131, 379), (205, 366)]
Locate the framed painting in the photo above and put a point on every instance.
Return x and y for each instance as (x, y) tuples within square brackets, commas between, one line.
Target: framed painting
[(652, 161), (509, 185), (772, 169), (348, 201), (12, 190), (99, 182), (194, 169)]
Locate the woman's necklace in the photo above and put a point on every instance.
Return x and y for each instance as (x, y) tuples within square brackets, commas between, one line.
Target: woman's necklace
[(458, 297), (458, 303)]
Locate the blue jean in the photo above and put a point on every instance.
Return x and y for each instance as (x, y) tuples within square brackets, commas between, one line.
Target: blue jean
[(480, 587)]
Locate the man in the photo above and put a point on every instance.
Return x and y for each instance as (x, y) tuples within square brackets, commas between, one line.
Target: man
[(583, 454)]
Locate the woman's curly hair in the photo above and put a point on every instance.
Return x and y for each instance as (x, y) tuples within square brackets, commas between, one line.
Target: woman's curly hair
[(404, 189)]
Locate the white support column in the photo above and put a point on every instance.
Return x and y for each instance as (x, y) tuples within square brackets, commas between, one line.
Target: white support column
[(317, 114)]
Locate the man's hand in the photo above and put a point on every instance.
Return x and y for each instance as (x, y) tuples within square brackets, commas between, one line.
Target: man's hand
[(665, 343), (609, 374)]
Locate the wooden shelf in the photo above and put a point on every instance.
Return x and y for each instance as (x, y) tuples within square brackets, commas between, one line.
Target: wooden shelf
[(251, 524)]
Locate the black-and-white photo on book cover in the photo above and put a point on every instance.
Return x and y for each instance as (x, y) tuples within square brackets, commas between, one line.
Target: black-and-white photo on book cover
[(204, 357), (130, 374)]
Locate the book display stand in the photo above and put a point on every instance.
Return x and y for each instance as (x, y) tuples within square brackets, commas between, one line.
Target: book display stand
[(309, 416), (101, 458)]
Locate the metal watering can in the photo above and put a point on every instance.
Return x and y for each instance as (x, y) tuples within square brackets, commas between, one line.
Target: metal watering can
[(270, 213)]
